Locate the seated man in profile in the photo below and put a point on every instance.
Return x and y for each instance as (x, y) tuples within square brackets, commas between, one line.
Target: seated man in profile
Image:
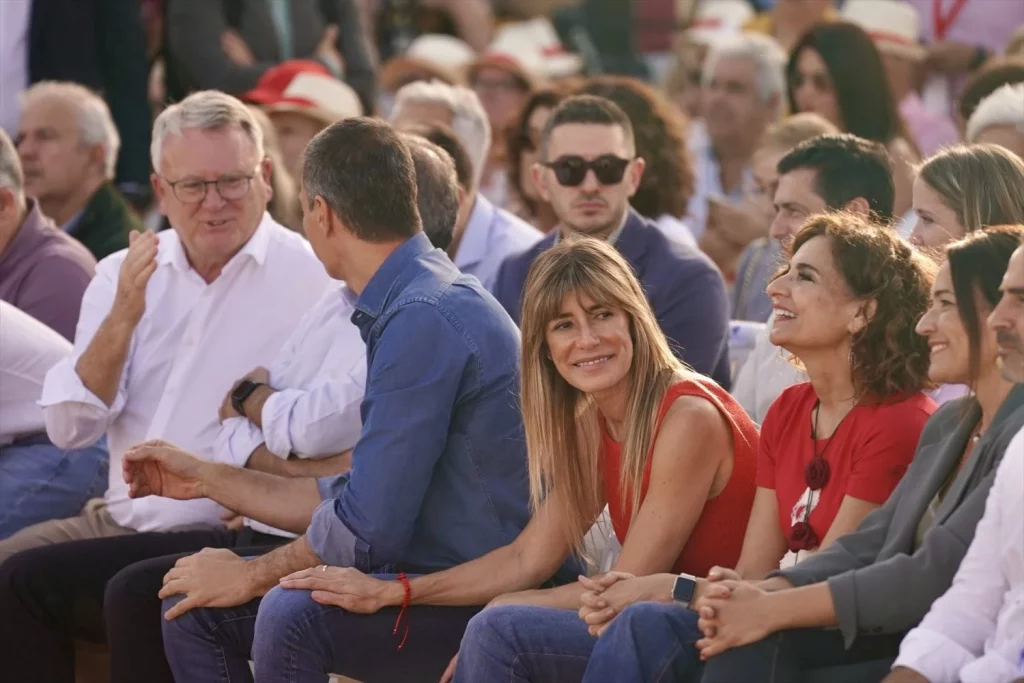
[(439, 472)]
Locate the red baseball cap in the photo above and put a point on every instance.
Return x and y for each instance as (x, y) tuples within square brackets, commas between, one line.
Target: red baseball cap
[(307, 87)]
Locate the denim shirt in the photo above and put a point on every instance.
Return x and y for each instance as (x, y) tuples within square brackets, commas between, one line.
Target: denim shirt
[(439, 473)]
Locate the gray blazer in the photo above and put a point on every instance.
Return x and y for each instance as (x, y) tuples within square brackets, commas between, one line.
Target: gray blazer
[(879, 582), (194, 28)]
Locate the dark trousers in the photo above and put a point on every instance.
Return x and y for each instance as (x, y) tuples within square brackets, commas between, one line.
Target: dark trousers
[(292, 638), (51, 595), (806, 656)]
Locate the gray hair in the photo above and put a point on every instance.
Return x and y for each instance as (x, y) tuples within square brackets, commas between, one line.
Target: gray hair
[(95, 124), (469, 120), (769, 61), (437, 189), (11, 176), (204, 110), (1004, 107)]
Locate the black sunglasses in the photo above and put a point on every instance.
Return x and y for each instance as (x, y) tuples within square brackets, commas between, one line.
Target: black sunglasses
[(571, 171)]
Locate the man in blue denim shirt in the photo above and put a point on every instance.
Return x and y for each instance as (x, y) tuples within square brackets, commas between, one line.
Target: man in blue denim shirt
[(438, 476)]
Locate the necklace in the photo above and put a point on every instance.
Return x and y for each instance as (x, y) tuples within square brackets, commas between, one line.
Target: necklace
[(817, 473)]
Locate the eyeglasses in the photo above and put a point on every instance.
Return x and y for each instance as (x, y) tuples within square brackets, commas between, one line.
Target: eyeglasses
[(571, 171), (230, 187)]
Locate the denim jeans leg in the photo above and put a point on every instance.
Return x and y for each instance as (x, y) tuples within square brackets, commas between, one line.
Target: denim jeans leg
[(520, 643), (40, 482), (301, 641), (210, 645), (650, 643)]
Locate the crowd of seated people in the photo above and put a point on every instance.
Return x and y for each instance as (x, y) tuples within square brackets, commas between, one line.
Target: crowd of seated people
[(499, 366)]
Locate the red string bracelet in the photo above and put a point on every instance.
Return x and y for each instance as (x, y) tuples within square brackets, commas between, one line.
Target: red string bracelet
[(405, 605)]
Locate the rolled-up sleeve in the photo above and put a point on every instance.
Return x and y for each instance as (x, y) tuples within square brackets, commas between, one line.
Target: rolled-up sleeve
[(323, 419), (236, 440), (410, 397), (75, 417)]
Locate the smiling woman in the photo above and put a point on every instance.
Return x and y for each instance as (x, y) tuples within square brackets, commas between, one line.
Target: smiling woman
[(611, 417), (845, 306)]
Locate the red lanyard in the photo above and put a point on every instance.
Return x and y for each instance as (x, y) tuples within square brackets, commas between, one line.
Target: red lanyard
[(944, 22)]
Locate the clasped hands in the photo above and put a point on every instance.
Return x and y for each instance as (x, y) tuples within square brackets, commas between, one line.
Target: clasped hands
[(731, 612)]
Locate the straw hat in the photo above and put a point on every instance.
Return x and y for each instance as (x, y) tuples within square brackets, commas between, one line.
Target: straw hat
[(431, 56), (893, 25), (717, 20)]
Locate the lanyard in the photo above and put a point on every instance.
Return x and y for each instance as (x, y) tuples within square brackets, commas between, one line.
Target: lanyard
[(944, 22)]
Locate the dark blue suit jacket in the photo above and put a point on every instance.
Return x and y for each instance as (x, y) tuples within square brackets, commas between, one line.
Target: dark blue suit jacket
[(684, 287)]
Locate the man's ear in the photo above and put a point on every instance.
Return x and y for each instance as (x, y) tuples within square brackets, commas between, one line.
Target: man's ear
[(537, 173), (636, 173), (858, 206)]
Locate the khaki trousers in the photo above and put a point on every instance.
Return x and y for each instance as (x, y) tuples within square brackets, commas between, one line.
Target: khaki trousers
[(93, 522)]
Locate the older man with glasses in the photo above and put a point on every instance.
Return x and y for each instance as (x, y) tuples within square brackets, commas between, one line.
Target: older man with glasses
[(588, 172), (167, 328)]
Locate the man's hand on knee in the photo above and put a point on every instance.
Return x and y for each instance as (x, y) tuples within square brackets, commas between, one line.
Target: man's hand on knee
[(213, 577)]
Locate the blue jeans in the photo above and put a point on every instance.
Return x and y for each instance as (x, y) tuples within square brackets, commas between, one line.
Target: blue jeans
[(649, 642), (522, 643), (40, 482), (293, 639)]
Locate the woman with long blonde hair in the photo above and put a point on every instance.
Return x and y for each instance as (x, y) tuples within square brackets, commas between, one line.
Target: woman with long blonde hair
[(963, 189), (612, 417)]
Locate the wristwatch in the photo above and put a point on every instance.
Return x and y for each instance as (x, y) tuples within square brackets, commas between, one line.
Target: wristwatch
[(241, 392), (684, 589)]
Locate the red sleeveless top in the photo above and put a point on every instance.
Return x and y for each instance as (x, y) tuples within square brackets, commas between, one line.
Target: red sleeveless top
[(717, 538)]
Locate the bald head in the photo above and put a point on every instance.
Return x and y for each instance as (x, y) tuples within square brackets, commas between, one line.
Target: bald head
[(437, 189)]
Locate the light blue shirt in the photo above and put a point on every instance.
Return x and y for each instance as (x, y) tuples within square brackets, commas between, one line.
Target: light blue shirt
[(708, 180), (492, 234), (280, 13)]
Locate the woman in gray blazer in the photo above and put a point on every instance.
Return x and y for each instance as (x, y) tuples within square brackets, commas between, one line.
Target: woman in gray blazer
[(839, 615)]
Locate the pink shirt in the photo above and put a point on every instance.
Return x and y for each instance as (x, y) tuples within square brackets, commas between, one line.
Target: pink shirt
[(930, 130), (44, 272), (988, 23)]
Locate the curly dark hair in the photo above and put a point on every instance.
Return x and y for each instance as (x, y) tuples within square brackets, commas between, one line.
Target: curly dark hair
[(889, 358), (660, 133), (518, 139)]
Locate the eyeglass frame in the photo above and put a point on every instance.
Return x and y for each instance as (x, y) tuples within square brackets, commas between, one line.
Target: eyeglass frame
[(207, 183)]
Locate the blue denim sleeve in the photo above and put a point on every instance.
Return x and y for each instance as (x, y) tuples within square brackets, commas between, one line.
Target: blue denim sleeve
[(416, 370)]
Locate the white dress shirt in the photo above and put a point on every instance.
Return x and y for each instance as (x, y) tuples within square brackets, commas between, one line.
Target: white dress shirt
[(15, 18), (975, 632), (320, 378), (492, 235), (194, 341), (765, 374), (28, 349)]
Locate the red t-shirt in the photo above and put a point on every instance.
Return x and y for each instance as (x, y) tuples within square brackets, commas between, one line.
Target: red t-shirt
[(717, 538), (868, 454)]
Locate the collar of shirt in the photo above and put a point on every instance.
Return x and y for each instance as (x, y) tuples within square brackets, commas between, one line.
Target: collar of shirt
[(374, 296), (72, 223), (613, 238), (473, 248), (172, 251)]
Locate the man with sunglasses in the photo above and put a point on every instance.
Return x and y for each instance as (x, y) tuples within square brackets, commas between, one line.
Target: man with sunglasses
[(588, 171), (166, 328)]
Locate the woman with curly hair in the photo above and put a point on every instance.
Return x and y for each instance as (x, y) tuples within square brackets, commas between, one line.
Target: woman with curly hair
[(659, 129), (840, 614), (522, 152)]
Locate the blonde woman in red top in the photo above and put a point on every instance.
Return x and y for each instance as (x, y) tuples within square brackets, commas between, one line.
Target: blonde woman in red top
[(611, 417)]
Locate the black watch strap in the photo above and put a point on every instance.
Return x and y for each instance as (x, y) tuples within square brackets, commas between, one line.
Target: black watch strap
[(241, 393)]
